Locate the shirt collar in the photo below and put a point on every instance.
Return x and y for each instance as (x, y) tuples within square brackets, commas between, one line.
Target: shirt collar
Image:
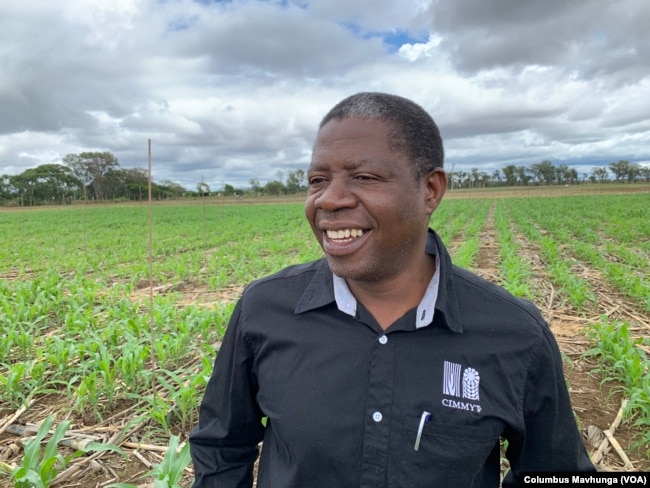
[(344, 298), (347, 303), (325, 288), (319, 292)]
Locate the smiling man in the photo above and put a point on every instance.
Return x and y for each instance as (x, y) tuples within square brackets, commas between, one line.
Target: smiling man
[(382, 364)]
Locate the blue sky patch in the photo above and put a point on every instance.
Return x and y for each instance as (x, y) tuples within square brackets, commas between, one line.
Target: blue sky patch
[(394, 39)]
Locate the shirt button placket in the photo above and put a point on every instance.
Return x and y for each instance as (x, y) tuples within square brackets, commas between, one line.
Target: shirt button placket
[(380, 399)]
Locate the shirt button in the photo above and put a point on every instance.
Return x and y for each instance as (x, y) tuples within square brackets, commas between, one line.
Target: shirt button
[(383, 339), (377, 416)]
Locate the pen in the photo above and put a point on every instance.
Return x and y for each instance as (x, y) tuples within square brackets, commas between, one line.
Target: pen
[(426, 416)]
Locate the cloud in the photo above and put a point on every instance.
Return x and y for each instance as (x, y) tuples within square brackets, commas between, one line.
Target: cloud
[(589, 37), (228, 91)]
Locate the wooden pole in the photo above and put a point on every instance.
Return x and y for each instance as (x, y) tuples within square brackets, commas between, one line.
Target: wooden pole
[(152, 337)]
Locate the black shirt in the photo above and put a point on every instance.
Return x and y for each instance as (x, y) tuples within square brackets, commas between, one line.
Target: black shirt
[(346, 400)]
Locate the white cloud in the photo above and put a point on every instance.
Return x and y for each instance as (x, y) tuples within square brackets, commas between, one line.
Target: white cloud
[(106, 24), (228, 91), (416, 51)]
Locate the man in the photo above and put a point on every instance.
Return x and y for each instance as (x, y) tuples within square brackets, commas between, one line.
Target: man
[(382, 365)]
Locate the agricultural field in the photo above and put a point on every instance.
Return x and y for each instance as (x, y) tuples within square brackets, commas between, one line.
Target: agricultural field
[(109, 325)]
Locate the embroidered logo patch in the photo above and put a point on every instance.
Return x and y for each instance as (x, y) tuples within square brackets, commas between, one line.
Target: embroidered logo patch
[(461, 383)]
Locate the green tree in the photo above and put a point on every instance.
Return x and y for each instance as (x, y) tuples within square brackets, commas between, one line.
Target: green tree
[(599, 174), (6, 189), (57, 182), (129, 183), (47, 183), (25, 186), (473, 177), (459, 179), (274, 187), (171, 189), (633, 173), (543, 172), (523, 176), (621, 169), (561, 173), (255, 185), (572, 176), (296, 181), (644, 172), (92, 168), (510, 174), (483, 179)]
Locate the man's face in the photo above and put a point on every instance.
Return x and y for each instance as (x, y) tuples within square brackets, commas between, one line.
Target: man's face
[(364, 204)]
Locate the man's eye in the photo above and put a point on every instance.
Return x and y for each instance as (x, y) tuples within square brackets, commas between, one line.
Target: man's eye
[(316, 180)]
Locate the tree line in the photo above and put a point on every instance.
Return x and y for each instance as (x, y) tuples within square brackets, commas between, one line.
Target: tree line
[(86, 176), (98, 176), (295, 182), (546, 173)]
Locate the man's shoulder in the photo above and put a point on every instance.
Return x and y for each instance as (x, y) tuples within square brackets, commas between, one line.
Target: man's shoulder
[(296, 275), (278, 294)]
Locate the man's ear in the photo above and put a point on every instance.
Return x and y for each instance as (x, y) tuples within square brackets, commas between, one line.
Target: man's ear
[(436, 186)]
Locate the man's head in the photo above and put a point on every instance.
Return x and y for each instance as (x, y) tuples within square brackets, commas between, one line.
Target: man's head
[(373, 184), (413, 133)]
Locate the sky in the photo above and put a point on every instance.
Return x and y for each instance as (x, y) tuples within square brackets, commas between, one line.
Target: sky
[(233, 90)]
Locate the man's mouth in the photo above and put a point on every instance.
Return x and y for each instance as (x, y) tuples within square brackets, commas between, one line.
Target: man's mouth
[(342, 242), (340, 234)]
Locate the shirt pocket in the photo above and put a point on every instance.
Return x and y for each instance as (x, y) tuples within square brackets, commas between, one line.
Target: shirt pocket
[(448, 454)]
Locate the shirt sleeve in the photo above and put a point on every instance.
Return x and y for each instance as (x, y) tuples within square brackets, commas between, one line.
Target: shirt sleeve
[(224, 443), (549, 440)]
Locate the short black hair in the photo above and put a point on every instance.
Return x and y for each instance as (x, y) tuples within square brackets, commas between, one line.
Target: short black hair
[(414, 131)]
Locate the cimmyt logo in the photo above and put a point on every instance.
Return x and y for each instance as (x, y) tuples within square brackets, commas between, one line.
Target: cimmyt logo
[(461, 382)]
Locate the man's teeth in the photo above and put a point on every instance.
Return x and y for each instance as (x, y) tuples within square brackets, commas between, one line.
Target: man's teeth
[(344, 233)]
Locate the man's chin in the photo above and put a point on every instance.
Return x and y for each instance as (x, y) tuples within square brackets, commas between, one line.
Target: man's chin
[(341, 269), (353, 271)]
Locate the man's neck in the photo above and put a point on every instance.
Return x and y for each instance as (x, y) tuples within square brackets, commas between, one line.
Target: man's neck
[(390, 299)]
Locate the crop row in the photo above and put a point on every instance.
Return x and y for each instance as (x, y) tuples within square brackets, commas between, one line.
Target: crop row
[(73, 339), (587, 229)]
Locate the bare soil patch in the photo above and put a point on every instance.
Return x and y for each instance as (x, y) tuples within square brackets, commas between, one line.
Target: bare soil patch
[(190, 294)]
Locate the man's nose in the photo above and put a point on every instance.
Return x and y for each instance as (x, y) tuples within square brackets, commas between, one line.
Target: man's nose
[(336, 195)]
